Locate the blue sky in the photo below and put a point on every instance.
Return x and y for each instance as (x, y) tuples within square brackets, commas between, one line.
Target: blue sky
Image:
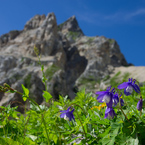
[(122, 20)]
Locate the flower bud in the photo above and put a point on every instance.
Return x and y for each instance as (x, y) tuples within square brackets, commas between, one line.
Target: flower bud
[(139, 105)]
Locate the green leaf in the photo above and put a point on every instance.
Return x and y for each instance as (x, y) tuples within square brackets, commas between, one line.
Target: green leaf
[(14, 115), (112, 140), (47, 96), (42, 67), (24, 98), (25, 93), (32, 137), (107, 130), (53, 137), (25, 90), (106, 139), (114, 134), (65, 98)]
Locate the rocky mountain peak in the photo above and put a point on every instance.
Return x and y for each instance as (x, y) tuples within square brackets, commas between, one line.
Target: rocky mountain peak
[(71, 25), (34, 22)]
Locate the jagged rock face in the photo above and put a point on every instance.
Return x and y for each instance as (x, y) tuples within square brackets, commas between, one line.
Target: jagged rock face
[(64, 80), (103, 55), (35, 22), (70, 25), (70, 29), (9, 36), (69, 58), (39, 31)]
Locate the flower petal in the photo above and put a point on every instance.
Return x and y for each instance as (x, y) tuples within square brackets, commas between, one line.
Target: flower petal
[(115, 99), (72, 111), (64, 111), (68, 109), (100, 98), (126, 93), (110, 103), (62, 115), (112, 114), (107, 110), (100, 92), (139, 105), (129, 88), (69, 115), (136, 88), (109, 113), (123, 85), (108, 89), (107, 97), (106, 115)]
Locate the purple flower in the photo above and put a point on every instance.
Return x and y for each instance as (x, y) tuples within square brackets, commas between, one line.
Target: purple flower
[(67, 114), (129, 86), (106, 96), (139, 105), (116, 100), (109, 113)]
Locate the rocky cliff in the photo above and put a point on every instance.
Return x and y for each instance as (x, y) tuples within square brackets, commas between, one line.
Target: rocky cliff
[(71, 59)]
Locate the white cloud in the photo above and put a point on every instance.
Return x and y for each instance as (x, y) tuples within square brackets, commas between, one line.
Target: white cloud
[(118, 17), (135, 13)]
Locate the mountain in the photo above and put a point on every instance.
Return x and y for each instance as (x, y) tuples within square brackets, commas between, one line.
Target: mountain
[(71, 60)]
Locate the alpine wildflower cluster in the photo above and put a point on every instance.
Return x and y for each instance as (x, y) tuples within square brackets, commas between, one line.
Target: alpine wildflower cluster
[(112, 99)]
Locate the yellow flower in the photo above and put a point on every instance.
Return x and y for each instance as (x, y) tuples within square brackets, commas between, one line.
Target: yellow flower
[(99, 107), (103, 105)]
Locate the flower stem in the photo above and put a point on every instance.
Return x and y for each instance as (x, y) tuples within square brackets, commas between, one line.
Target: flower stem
[(45, 129), (82, 126), (80, 107), (122, 110)]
